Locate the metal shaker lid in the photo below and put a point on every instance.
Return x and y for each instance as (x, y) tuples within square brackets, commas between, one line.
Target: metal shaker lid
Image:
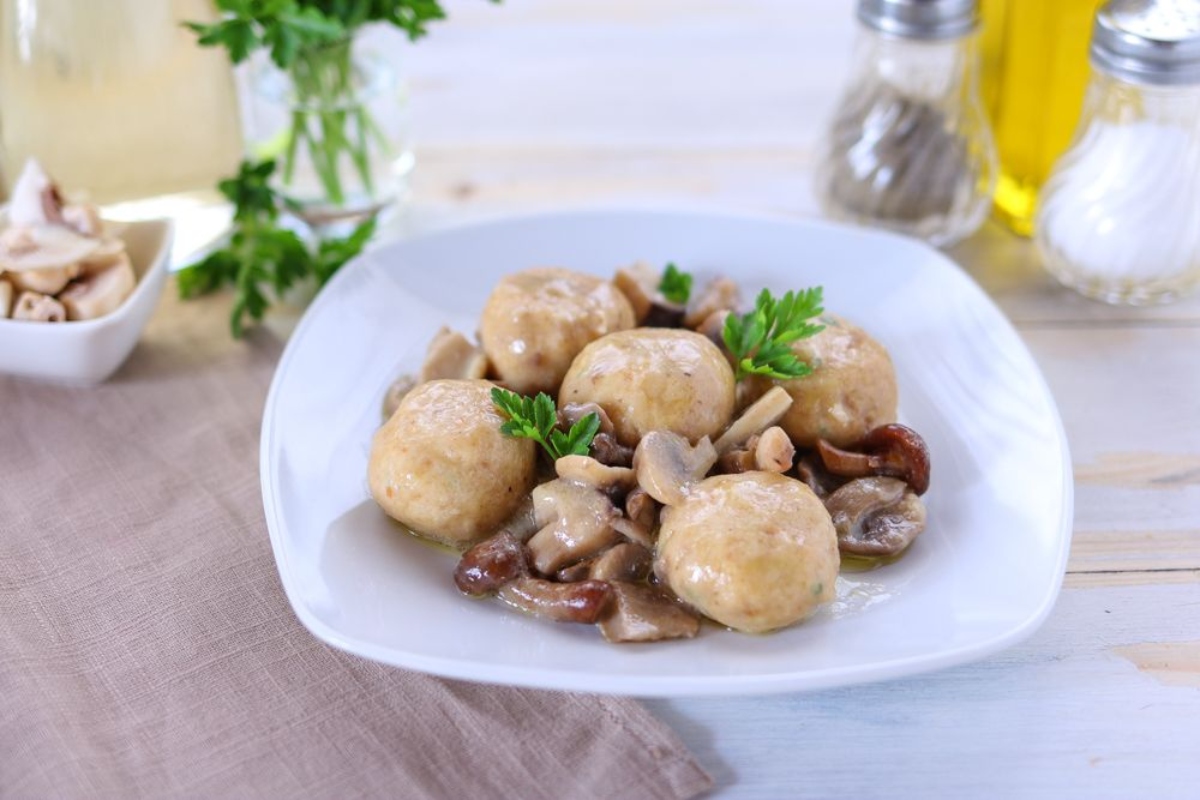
[(1148, 41), (920, 19)]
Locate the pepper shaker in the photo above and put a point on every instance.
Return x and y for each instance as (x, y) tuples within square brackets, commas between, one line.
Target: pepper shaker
[(1119, 218), (909, 147)]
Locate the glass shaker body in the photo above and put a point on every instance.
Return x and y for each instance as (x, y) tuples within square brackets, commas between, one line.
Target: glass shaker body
[(1119, 219), (909, 148)]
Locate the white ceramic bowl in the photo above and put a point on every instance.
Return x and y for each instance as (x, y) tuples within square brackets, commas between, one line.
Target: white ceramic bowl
[(87, 352)]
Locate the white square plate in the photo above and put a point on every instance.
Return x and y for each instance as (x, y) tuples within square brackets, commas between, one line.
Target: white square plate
[(983, 576)]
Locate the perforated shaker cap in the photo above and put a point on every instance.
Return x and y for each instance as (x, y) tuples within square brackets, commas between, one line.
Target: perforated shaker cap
[(920, 19), (1148, 41)]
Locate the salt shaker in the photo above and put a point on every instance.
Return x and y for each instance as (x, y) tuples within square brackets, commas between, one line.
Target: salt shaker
[(1119, 218), (909, 147)]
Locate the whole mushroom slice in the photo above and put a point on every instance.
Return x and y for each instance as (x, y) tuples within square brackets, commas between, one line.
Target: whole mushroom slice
[(101, 293), (758, 416), (893, 450), (614, 481), (876, 516), (667, 465), (576, 523), (643, 613), (37, 307), (489, 565), (585, 601), (452, 356)]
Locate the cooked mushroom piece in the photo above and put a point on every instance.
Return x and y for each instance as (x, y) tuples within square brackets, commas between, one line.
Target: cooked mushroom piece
[(713, 329), (640, 519), (37, 307), (487, 566), (523, 523), (450, 355), (575, 523), (614, 481), (646, 614), (893, 450), (585, 601), (395, 393), (739, 460), (47, 280), (876, 516), (774, 451), (812, 473), (760, 415), (667, 465), (718, 295), (6, 296), (101, 293), (607, 450), (622, 562), (639, 284)]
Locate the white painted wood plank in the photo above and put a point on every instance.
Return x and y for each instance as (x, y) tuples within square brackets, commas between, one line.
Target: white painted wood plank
[(1066, 714)]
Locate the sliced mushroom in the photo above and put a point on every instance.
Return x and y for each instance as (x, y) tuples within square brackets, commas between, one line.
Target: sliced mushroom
[(523, 523), (667, 465), (607, 450), (622, 562), (27, 204), (38, 308), (876, 516), (762, 414), (571, 413), (646, 614), (585, 601), (639, 284), (489, 565), (395, 393), (53, 247), (109, 252), (6, 296), (812, 472), (713, 328), (893, 450), (774, 451), (51, 280), (740, 460), (84, 218), (576, 523), (100, 294), (581, 571), (451, 356), (640, 519), (719, 294)]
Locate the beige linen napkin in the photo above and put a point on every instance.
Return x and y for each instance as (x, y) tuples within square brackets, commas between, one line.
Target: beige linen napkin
[(147, 649)]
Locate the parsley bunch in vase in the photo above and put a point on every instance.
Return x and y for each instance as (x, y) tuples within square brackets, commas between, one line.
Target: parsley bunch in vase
[(327, 110)]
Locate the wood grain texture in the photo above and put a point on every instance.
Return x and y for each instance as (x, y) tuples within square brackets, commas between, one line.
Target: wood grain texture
[(539, 105)]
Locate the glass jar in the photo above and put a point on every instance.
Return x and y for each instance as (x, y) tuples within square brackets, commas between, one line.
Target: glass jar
[(114, 98), (336, 122), (1119, 219), (909, 147)]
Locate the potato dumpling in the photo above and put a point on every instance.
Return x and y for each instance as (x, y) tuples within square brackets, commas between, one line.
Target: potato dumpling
[(440, 465), (654, 379), (535, 322), (852, 388), (755, 551)]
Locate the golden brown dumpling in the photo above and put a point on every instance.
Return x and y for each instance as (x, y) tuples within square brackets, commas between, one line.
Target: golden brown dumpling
[(440, 465), (536, 321)]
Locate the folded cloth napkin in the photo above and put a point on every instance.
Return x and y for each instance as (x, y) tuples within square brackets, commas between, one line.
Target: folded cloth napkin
[(147, 649)]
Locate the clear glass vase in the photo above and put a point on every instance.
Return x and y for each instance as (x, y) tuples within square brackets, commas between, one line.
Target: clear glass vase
[(336, 122)]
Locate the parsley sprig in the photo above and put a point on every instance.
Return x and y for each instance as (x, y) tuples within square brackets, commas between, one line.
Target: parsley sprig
[(676, 285), (760, 340), (260, 253), (536, 418)]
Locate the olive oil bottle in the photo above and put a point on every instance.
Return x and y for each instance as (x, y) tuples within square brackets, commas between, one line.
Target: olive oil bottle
[(1034, 72)]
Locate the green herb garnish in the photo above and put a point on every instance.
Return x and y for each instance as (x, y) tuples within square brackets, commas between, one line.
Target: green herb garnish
[(675, 285), (260, 253), (760, 340), (536, 418)]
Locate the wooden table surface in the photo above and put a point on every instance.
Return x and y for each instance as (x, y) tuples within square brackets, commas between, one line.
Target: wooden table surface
[(540, 104)]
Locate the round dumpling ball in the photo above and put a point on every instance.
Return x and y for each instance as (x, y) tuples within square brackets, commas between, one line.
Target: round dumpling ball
[(755, 551), (441, 466), (654, 379), (851, 390), (535, 322)]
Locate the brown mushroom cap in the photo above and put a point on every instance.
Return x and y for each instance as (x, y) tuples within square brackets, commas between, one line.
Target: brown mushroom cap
[(875, 516), (893, 450)]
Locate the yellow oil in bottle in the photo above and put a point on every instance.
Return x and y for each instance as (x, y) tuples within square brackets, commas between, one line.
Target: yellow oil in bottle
[(1034, 73)]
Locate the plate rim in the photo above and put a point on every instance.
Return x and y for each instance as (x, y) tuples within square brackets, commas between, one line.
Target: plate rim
[(650, 686)]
